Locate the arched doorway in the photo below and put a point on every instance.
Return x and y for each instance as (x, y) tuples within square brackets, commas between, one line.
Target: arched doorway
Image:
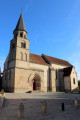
[(36, 83)]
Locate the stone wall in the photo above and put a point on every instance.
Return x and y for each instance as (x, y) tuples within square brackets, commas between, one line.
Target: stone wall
[(52, 79), (61, 80), (74, 86), (67, 83), (8, 80), (46, 73), (24, 77)]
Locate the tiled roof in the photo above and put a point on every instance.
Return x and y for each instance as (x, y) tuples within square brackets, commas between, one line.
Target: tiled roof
[(56, 60), (46, 60), (67, 71), (37, 59)]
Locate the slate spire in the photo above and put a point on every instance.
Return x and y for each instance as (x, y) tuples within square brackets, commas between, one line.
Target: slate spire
[(20, 25)]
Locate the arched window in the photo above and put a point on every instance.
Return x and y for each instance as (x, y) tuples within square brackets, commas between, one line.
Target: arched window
[(21, 56), (25, 57), (23, 45), (21, 34), (73, 80)]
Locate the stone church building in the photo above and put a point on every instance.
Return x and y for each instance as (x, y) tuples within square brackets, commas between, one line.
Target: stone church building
[(24, 71)]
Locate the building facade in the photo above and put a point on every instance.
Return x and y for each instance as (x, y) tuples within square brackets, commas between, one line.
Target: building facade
[(24, 71)]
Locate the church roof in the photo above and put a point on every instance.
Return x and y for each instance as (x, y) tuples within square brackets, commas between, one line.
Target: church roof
[(20, 25), (41, 60), (67, 71), (56, 60), (37, 59)]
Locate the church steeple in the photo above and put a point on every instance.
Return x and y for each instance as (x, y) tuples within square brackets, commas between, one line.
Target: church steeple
[(20, 29), (20, 25)]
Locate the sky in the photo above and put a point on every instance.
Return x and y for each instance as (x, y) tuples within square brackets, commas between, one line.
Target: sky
[(53, 28)]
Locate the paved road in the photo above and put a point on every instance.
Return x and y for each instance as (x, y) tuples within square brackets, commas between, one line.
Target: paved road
[(41, 95), (33, 106)]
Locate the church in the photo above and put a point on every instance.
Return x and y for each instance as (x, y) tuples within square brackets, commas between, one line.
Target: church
[(25, 71)]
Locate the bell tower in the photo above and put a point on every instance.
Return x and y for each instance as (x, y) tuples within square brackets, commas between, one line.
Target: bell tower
[(17, 61), (21, 43)]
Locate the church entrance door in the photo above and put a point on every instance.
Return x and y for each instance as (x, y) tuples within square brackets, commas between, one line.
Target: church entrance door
[(36, 83)]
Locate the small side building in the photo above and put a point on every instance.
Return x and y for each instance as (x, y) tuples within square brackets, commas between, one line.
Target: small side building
[(70, 79)]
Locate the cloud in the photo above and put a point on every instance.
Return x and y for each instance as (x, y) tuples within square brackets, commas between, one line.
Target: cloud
[(27, 6), (26, 9)]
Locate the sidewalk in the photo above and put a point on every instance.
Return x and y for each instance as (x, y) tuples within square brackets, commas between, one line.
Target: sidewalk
[(33, 107)]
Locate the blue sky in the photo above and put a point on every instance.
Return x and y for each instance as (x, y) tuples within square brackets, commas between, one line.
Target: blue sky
[(53, 27)]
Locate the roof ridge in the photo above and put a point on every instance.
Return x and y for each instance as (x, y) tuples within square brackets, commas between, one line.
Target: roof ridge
[(35, 54), (50, 59), (55, 58)]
